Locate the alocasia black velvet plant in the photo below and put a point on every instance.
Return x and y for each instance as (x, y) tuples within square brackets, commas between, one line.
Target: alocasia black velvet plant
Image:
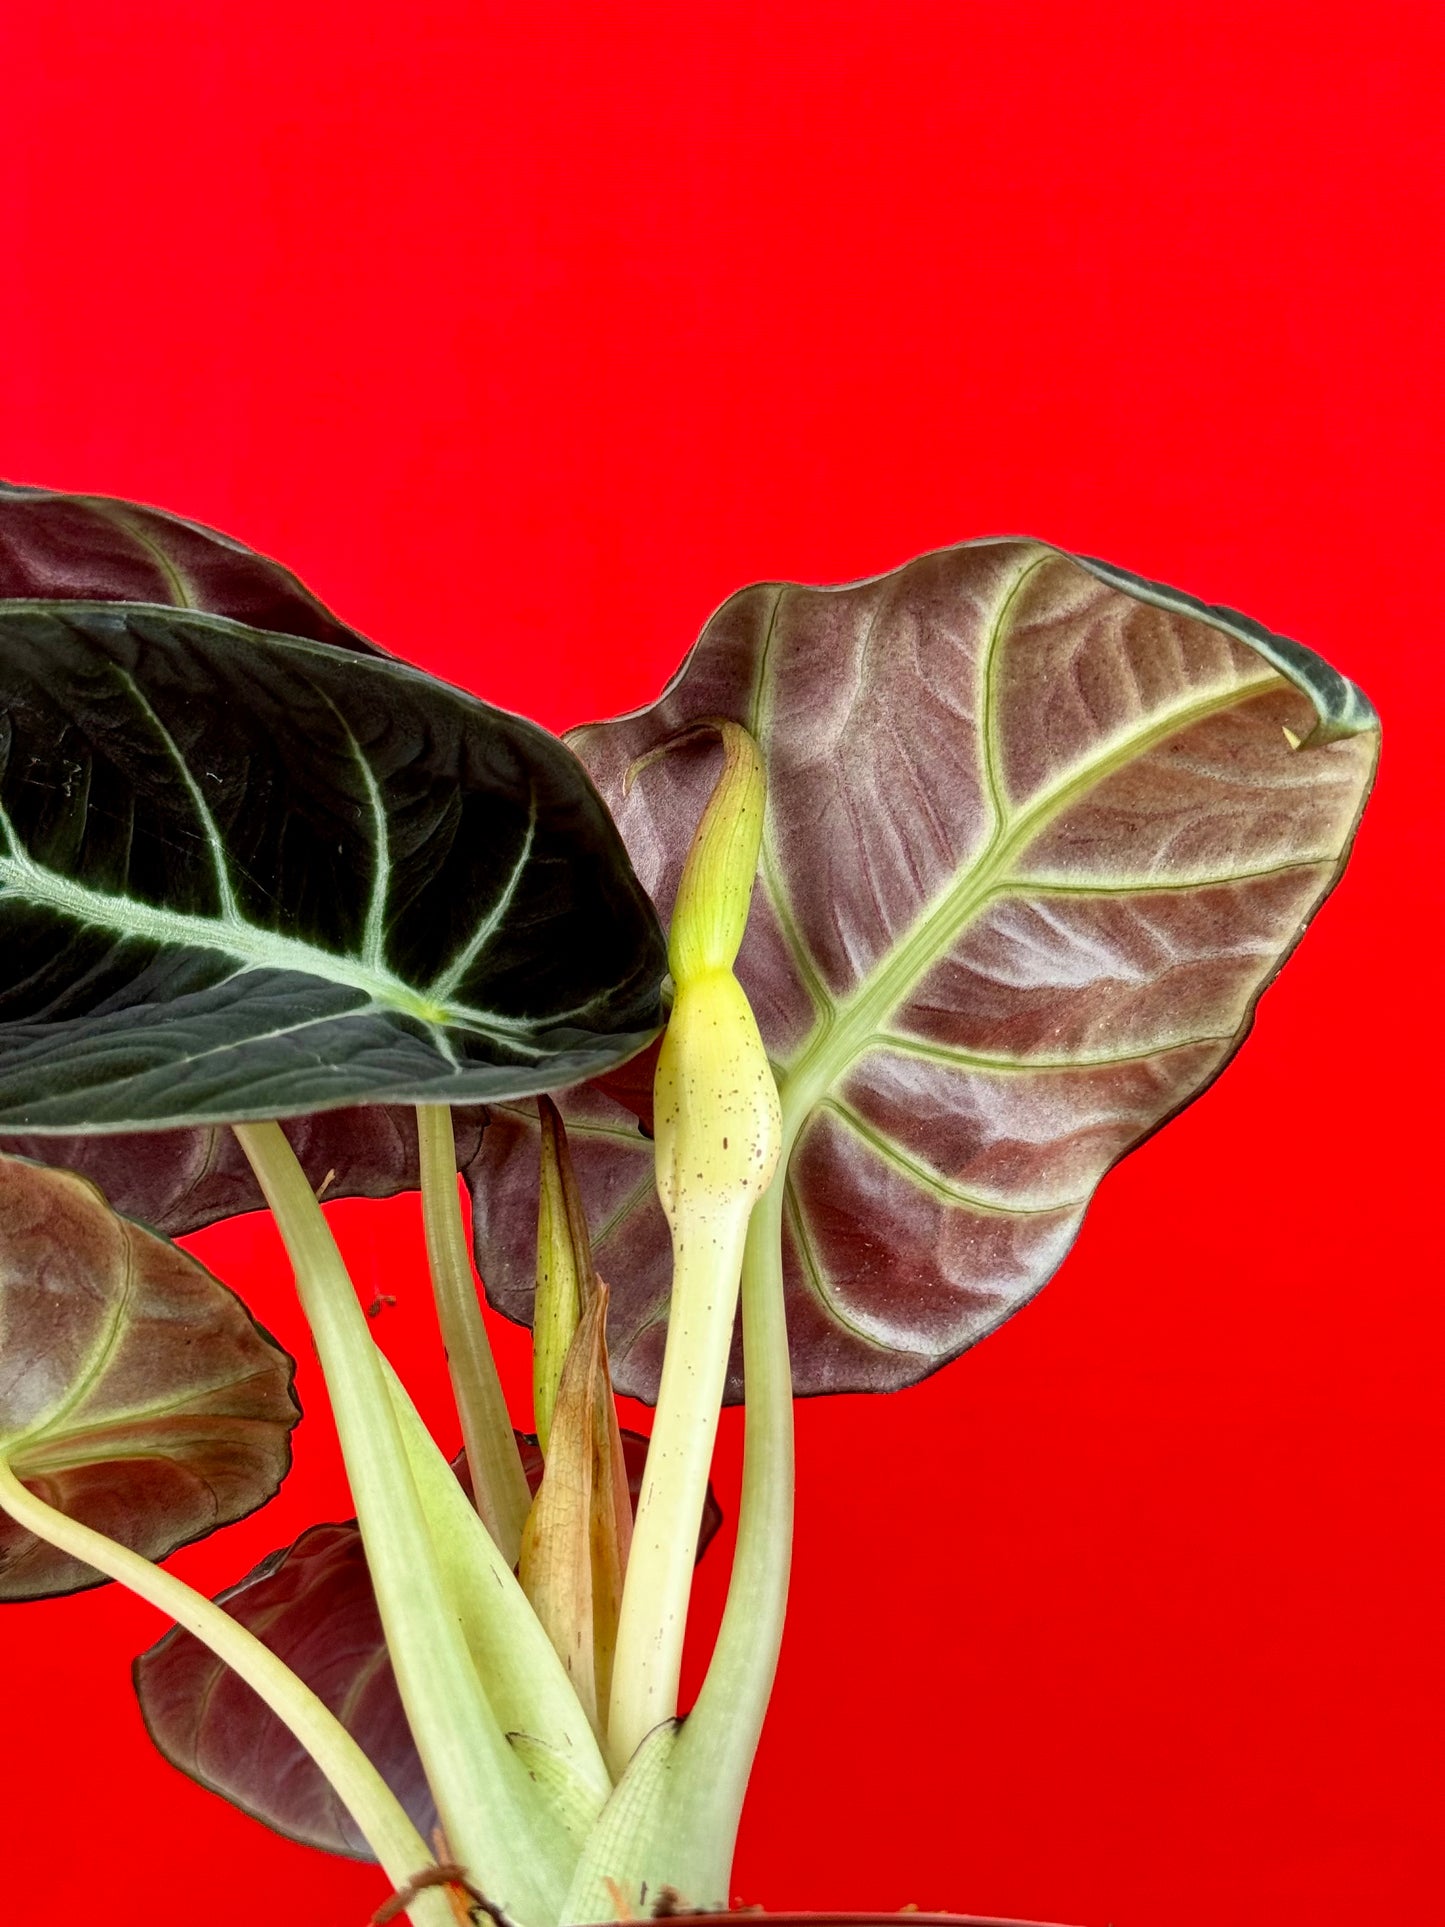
[(1030, 836)]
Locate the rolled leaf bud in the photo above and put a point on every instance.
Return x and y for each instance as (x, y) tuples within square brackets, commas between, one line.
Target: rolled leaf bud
[(564, 1267), (717, 1124)]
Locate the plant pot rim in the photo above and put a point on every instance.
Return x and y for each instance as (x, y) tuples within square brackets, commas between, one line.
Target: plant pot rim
[(899, 1917)]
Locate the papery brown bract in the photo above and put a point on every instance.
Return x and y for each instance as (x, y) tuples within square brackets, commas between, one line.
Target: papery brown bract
[(579, 1531)]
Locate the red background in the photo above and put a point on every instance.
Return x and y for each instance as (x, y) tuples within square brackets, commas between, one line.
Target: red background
[(528, 331)]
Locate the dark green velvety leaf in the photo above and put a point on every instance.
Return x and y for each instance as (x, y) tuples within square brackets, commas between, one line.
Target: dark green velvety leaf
[(137, 1394), (181, 1181), (247, 875), (57, 547), (62, 546), (1038, 835), (313, 1606)]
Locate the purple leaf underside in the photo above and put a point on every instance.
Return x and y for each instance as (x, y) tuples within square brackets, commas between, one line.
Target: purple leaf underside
[(1038, 835), (137, 1394), (61, 547), (180, 1181), (313, 1605)]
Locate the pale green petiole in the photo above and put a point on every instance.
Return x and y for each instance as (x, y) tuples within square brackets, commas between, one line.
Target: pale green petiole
[(627, 1854), (713, 1758), (718, 1133), (498, 1480), (525, 1682), (674, 1818), (371, 1803), (707, 1257), (496, 1825)]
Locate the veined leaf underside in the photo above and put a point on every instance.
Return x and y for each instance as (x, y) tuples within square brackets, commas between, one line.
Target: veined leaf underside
[(1035, 844), (864, 1023), (136, 1393), (83, 548)]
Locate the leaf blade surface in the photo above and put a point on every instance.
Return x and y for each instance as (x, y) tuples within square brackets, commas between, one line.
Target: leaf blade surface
[(248, 875), (1038, 836), (61, 546), (137, 1394), (180, 1181)]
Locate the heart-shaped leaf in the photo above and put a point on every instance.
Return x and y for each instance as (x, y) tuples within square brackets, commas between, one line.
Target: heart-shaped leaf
[(313, 1606), (56, 547), (180, 1181), (137, 1394), (245, 875), (1038, 835)]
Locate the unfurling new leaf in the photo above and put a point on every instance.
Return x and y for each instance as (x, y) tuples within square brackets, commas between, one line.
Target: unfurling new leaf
[(716, 1124), (565, 1277), (718, 1134)]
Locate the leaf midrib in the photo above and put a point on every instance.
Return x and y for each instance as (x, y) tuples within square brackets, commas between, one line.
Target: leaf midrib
[(92, 1369), (828, 1052), (774, 880), (252, 947), (955, 1196)]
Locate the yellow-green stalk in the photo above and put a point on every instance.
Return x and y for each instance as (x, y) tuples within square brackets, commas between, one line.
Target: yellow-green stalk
[(718, 1133), (512, 1845), (499, 1482)]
